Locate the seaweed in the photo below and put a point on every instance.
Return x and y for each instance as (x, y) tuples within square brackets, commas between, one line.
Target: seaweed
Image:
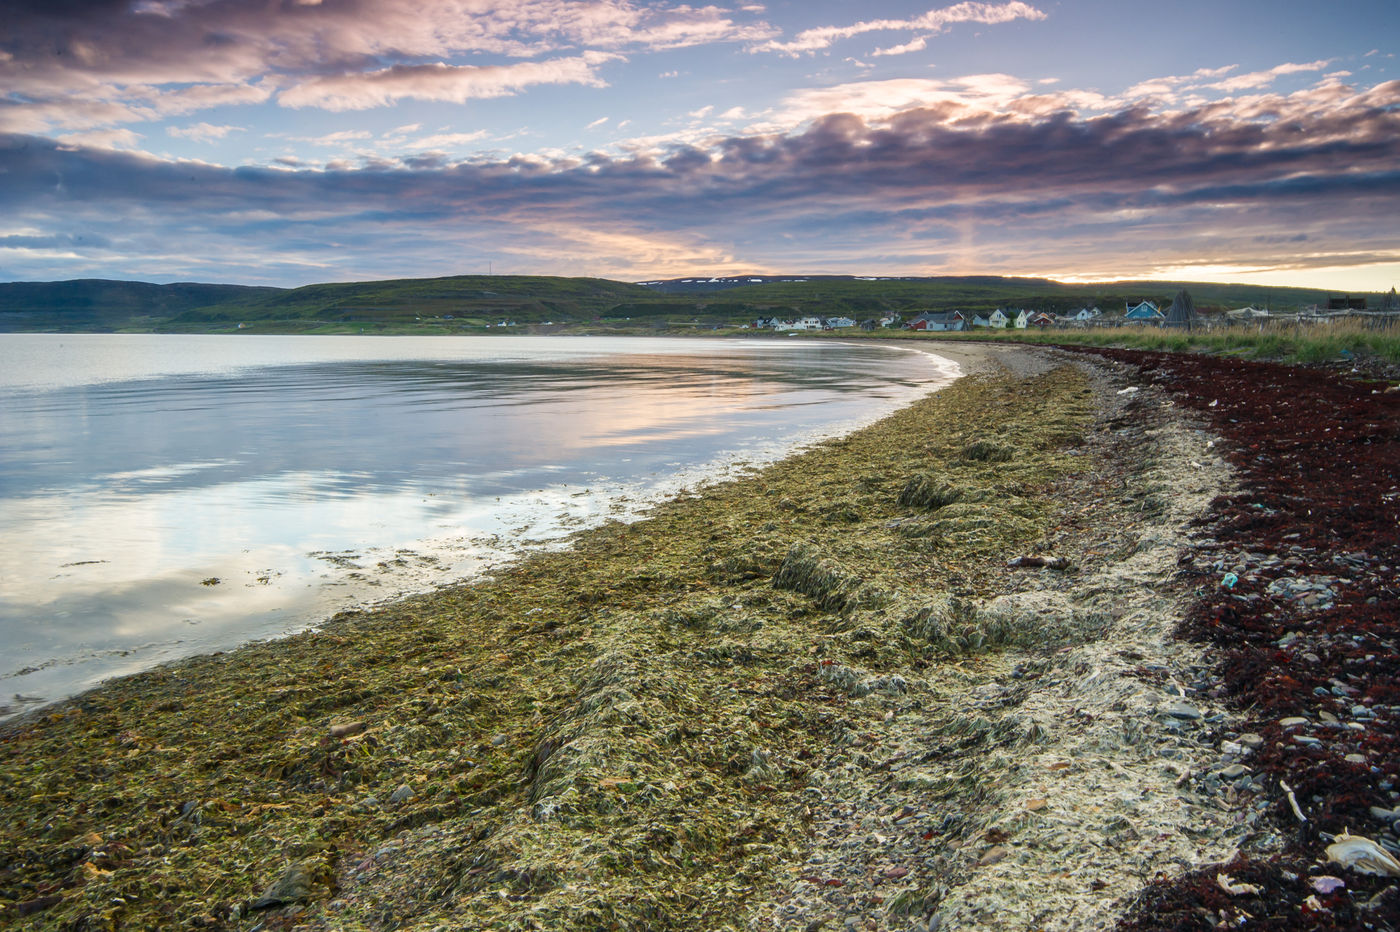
[(613, 735)]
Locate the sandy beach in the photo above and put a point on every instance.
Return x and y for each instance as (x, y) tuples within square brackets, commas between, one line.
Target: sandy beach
[(928, 675)]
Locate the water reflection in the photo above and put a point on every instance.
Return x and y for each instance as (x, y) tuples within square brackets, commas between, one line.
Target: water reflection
[(302, 475)]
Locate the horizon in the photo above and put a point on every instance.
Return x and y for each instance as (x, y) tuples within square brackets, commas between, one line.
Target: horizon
[(720, 277), (317, 141)]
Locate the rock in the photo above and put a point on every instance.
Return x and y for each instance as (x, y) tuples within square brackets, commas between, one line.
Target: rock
[(993, 855), (1355, 758), (296, 883), (1184, 710), (346, 729), (402, 794), (1292, 721), (1234, 772), (1251, 741)]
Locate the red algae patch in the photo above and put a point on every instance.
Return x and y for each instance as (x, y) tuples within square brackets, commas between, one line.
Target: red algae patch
[(1297, 595)]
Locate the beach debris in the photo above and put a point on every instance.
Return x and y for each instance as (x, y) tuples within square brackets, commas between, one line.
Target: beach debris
[(1229, 580), (1292, 801), (210, 581), (1363, 855), (1237, 889)]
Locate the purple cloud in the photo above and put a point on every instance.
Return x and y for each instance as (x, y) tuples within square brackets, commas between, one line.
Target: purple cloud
[(1019, 190)]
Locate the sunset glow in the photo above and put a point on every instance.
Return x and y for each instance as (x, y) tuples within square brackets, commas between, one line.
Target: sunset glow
[(297, 141)]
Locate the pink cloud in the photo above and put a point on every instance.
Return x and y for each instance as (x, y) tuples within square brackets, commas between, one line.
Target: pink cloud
[(822, 37), (441, 82)]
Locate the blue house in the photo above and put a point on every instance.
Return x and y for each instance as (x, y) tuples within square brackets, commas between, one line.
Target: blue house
[(1144, 311)]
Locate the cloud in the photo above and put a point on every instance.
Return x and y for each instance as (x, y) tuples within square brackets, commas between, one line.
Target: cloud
[(958, 97), (441, 82), (934, 21), (203, 132), (102, 63), (103, 139), (1257, 79), (596, 123), (995, 178), (446, 141), (914, 45)]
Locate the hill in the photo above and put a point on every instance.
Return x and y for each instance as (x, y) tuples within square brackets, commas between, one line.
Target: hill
[(99, 304), (470, 303), (857, 296)]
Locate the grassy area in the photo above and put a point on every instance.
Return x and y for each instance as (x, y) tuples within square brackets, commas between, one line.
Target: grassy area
[(1279, 340), (613, 736)]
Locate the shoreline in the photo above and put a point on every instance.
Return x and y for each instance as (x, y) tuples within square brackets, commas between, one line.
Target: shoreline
[(798, 700), (270, 583)]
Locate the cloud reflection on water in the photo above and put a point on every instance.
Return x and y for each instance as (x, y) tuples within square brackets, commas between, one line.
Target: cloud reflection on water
[(120, 496)]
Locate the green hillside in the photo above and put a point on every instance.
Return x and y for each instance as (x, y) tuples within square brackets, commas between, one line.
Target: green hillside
[(465, 299), (479, 303), (98, 304)]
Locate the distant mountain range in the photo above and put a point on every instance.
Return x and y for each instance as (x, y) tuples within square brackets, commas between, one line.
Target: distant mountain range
[(469, 303)]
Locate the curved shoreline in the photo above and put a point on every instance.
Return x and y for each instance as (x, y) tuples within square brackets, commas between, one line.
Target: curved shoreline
[(806, 699), (104, 580)]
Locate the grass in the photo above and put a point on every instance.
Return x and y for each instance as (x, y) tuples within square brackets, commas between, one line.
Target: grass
[(1286, 341), (612, 736)]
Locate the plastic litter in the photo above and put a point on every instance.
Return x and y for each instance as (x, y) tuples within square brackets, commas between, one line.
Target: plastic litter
[(1229, 580)]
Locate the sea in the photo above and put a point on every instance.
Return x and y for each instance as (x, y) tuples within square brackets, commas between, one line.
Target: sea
[(169, 495)]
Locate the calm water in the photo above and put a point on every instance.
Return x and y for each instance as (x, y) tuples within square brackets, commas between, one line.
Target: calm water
[(308, 473)]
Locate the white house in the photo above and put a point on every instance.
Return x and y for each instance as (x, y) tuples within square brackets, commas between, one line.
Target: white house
[(1086, 313), (1002, 319), (837, 323)]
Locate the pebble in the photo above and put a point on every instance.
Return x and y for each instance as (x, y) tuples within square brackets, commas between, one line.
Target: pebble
[(1355, 758), (403, 794), (1305, 739), (1292, 721), (1251, 741), (1234, 771)]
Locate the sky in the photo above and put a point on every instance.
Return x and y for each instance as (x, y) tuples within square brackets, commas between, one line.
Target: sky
[(286, 142)]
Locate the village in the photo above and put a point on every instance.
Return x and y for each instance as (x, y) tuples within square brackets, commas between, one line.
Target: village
[(1182, 312)]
